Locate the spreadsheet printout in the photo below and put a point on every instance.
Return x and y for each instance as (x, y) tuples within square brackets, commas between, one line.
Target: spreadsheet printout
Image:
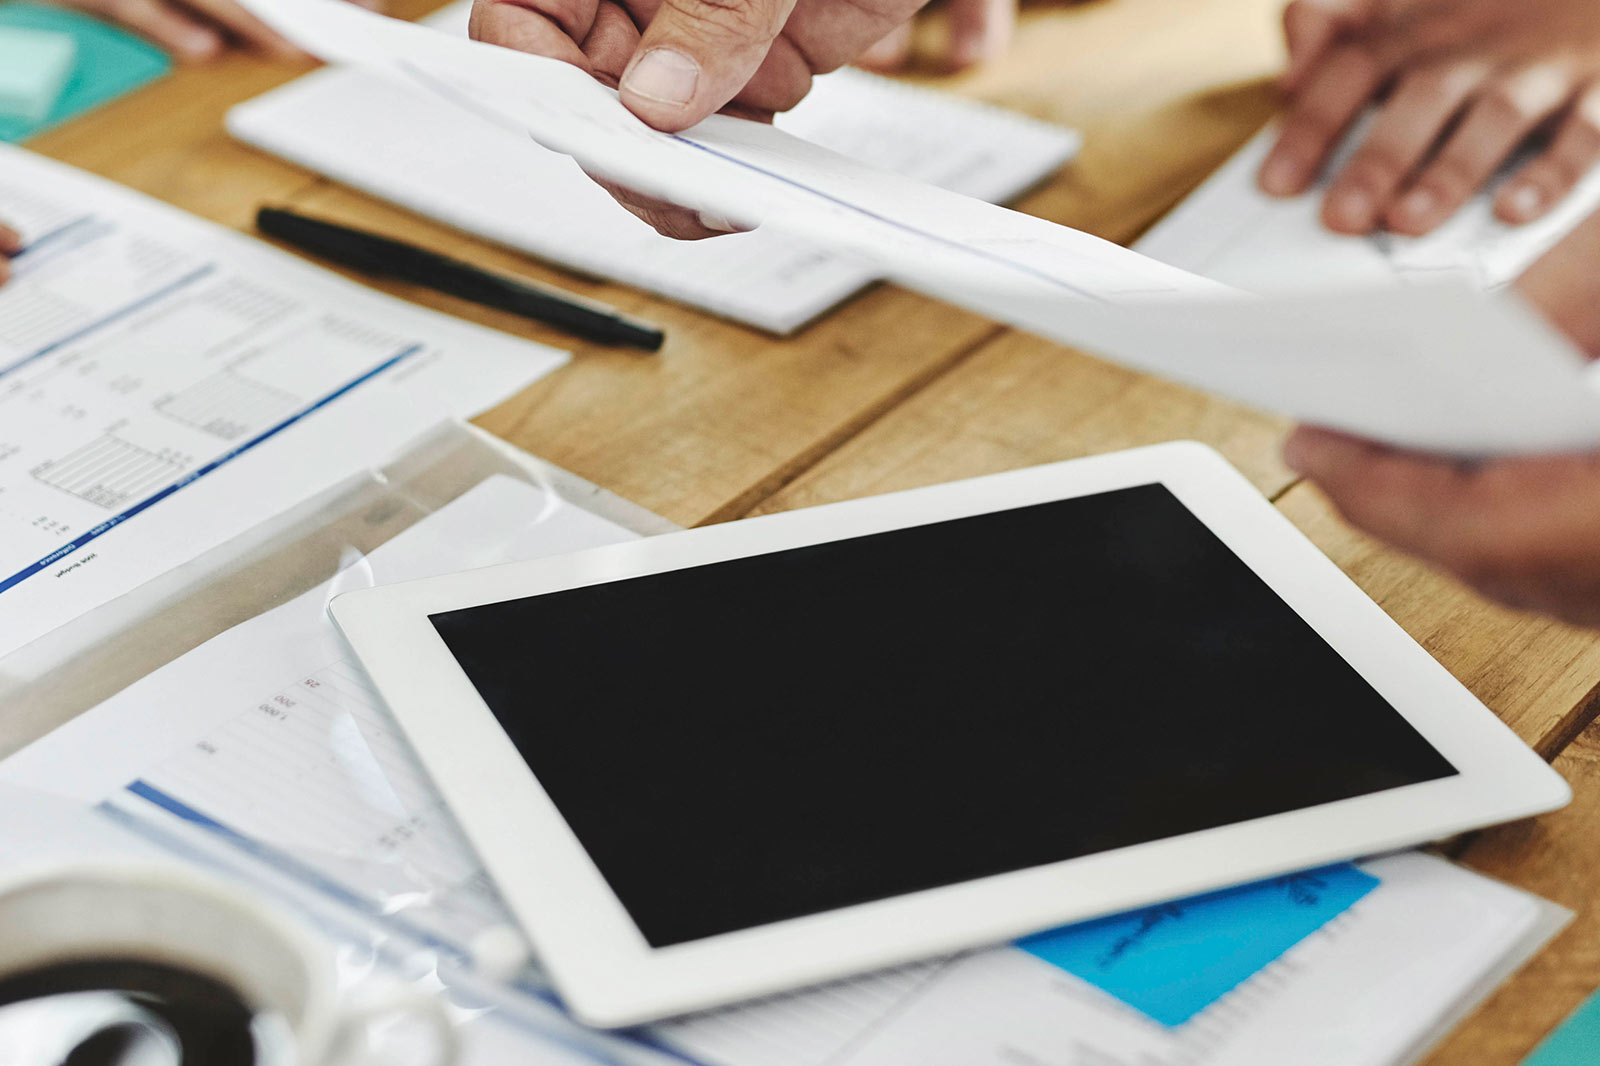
[(165, 384), (269, 742), (405, 145)]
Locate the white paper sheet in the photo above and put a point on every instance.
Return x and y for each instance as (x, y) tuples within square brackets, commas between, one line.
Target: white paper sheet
[(1230, 231), (268, 741), (402, 143), (1428, 373), (165, 384)]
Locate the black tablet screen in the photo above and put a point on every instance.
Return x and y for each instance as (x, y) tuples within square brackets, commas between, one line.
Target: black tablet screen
[(791, 733)]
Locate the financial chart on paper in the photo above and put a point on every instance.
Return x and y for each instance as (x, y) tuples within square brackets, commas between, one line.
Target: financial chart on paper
[(130, 367), (315, 780)]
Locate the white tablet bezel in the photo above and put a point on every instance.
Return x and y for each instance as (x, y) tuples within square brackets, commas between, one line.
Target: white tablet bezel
[(602, 965)]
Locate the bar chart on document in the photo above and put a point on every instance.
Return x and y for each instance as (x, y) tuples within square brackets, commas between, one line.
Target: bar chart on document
[(146, 357)]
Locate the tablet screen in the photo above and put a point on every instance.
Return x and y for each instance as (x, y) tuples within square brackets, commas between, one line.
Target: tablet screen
[(786, 734)]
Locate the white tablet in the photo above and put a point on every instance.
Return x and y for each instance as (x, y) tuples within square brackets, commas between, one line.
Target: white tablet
[(744, 758)]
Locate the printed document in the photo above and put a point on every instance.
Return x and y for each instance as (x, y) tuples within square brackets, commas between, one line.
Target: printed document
[(166, 384), (267, 742), (1231, 231), (402, 143), (1447, 368)]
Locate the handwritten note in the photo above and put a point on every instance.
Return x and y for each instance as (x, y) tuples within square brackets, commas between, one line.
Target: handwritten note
[(1173, 960)]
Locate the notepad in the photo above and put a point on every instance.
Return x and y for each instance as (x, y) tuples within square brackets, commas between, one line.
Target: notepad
[(1174, 960), (404, 146)]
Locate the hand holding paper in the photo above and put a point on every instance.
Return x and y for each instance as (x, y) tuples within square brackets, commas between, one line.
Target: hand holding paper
[(1466, 82), (1439, 367)]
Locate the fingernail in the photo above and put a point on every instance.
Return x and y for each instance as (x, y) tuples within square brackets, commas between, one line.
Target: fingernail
[(1280, 176), (717, 223), (663, 75), (1352, 210), (1418, 205), (1524, 202)]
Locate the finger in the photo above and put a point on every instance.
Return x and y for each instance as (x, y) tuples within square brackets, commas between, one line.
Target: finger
[(1407, 127), (244, 27), (696, 55), (10, 240), (1549, 177), (889, 54), (172, 28), (1499, 118), (665, 218), (979, 30), (552, 30), (1333, 96), (1399, 497), (1310, 28), (612, 41)]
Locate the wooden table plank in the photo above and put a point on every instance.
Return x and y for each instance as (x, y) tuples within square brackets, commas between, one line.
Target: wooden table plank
[(1020, 401), (1537, 675), (723, 413), (1555, 856)]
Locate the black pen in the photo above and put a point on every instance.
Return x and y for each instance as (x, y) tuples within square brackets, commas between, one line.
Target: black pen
[(386, 257)]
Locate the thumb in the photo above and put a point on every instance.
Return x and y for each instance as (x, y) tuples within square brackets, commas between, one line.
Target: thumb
[(696, 56)]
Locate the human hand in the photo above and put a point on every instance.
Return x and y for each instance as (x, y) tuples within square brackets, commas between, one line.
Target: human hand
[(1467, 81), (195, 30), (978, 30), (676, 62), (1522, 531), (10, 245), (1525, 532)]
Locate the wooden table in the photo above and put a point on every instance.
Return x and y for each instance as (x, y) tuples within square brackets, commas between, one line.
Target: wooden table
[(895, 390)]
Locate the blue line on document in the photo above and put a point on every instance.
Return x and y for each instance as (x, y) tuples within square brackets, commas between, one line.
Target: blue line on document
[(466, 102), (982, 253), (51, 236), (200, 472), (308, 875), (115, 316)]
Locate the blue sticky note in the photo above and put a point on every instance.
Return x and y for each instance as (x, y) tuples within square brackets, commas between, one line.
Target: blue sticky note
[(1174, 960), (1575, 1043), (109, 64)]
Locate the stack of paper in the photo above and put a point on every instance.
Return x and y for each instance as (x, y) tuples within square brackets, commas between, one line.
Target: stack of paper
[(247, 746), (405, 145)]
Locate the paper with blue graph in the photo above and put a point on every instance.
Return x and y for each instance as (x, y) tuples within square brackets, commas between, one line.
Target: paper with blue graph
[(1175, 960), (180, 383)]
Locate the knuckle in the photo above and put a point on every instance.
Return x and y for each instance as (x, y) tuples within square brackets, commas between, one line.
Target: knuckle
[(731, 18)]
